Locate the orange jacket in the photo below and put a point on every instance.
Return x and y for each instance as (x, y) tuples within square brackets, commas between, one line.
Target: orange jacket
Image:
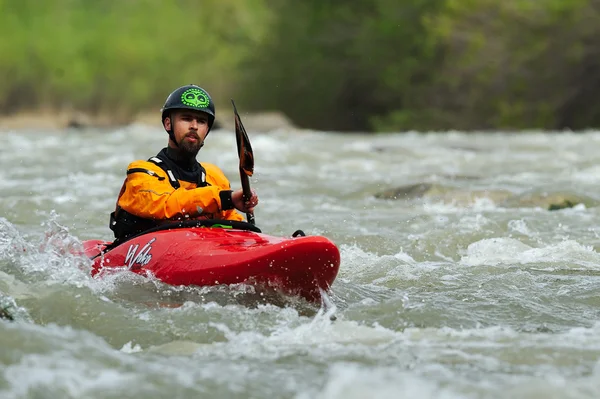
[(152, 196)]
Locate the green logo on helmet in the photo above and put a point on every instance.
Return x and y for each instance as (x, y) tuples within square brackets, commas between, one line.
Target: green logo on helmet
[(195, 98)]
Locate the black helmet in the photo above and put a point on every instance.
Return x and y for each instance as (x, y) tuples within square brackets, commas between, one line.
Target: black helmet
[(190, 97)]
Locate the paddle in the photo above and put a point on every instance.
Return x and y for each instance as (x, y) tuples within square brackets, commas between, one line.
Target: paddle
[(246, 159)]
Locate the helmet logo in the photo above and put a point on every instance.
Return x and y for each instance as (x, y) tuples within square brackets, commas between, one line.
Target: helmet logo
[(195, 98)]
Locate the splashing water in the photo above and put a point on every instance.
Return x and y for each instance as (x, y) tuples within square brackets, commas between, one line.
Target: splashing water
[(461, 283)]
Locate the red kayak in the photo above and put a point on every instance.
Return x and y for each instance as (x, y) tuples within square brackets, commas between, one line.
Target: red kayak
[(214, 252)]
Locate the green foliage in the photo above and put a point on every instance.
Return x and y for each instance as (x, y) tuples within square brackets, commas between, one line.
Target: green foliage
[(514, 65), (443, 64), (359, 66), (119, 56), (335, 65)]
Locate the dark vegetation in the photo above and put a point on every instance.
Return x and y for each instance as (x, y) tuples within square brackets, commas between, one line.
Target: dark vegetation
[(366, 65)]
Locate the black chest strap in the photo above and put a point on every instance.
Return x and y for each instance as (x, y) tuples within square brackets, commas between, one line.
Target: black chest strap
[(198, 176), (158, 162)]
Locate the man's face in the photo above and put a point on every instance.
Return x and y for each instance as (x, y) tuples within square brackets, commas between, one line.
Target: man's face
[(190, 128)]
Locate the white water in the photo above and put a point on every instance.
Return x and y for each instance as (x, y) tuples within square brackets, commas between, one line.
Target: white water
[(475, 290)]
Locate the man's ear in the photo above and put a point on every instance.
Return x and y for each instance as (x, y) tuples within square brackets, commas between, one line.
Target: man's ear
[(167, 123)]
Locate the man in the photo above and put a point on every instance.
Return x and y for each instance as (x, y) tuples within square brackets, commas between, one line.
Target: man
[(173, 186)]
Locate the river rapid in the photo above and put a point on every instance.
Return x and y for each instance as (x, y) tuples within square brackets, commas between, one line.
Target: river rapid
[(470, 269)]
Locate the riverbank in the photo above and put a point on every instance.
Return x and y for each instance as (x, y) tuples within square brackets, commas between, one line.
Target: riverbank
[(49, 120)]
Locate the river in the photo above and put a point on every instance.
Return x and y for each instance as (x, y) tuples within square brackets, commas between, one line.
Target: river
[(457, 279)]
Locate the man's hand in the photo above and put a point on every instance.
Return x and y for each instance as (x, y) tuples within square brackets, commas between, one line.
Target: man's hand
[(238, 201)]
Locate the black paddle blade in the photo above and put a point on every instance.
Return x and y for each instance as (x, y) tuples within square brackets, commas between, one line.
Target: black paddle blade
[(246, 159), (243, 144)]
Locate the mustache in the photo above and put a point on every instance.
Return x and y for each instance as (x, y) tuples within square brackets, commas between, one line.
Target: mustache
[(193, 134)]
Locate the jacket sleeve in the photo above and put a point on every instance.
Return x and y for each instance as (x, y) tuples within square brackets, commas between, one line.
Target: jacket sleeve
[(150, 195), (218, 179)]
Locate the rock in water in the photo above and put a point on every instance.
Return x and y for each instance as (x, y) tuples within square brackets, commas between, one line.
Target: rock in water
[(4, 314), (562, 205), (405, 192)]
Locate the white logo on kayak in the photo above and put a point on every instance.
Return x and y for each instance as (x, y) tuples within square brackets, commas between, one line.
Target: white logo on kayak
[(141, 258)]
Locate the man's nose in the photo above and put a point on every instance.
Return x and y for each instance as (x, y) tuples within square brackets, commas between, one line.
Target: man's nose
[(194, 124)]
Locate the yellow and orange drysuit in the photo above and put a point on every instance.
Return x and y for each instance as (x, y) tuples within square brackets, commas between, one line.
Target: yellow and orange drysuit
[(161, 189)]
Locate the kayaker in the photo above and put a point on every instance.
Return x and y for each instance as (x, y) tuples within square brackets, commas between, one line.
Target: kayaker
[(173, 186)]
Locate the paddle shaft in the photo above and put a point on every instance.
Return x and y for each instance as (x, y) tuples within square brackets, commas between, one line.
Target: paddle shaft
[(247, 194)]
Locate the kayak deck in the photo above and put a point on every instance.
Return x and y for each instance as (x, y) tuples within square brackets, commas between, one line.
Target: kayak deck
[(212, 256)]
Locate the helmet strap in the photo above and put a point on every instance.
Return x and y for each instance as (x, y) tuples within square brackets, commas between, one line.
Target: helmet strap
[(172, 137), (171, 132)]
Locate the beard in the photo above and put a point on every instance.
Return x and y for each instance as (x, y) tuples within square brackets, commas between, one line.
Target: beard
[(191, 148)]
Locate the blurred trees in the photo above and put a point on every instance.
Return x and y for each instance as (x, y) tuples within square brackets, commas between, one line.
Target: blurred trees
[(332, 65), (119, 56), (516, 64), (337, 65), (433, 64)]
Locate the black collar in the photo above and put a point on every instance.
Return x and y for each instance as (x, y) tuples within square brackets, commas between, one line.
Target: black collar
[(183, 160)]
